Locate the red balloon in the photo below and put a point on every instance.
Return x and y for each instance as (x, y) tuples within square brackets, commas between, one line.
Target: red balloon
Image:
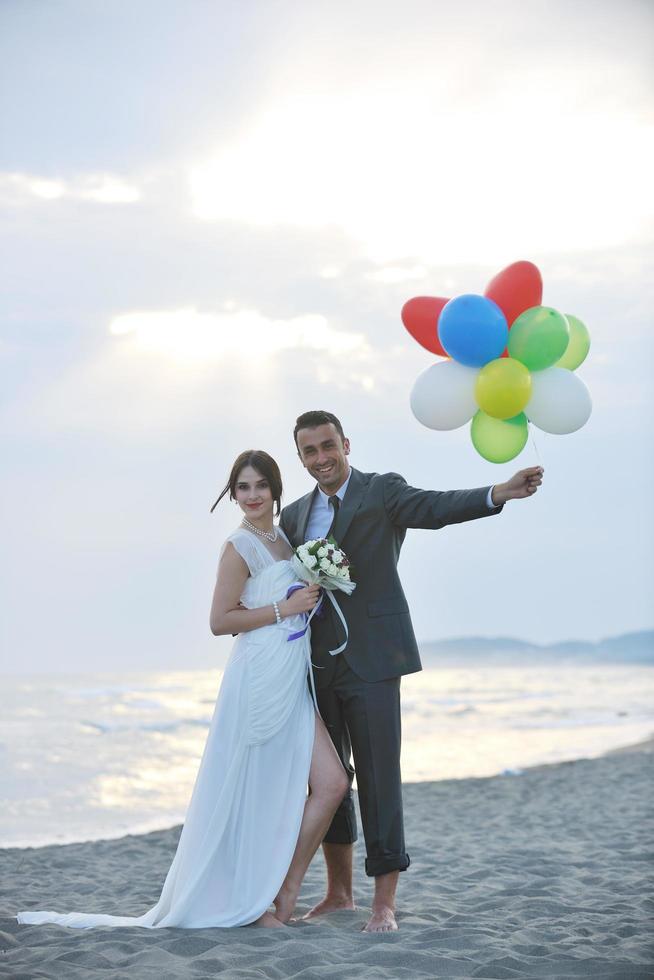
[(516, 289), (420, 317)]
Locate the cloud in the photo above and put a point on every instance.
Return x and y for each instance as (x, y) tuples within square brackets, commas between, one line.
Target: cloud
[(118, 87), (398, 273), (160, 373), (18, 189), (190, 336)]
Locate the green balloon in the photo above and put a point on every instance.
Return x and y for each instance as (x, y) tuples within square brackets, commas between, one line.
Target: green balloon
[(578, 346), (498, 440), (539, 337)]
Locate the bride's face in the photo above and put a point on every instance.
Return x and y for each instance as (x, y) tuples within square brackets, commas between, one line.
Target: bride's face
[(253, 495)]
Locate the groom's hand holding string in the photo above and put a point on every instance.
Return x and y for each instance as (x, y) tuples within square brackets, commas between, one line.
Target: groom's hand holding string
[(524, 483)]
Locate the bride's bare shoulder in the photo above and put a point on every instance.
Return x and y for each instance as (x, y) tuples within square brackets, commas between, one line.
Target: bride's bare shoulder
[(238, 550)]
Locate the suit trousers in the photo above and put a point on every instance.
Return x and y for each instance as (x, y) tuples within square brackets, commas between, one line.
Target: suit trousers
[(364, 721)]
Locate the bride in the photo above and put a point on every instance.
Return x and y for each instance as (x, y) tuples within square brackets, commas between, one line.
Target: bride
[(250, 830)]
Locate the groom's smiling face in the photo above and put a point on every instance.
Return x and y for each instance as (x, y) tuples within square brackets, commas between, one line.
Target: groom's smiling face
[(324, 454)]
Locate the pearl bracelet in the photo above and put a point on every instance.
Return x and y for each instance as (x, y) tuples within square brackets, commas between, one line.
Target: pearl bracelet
[(278, 617)]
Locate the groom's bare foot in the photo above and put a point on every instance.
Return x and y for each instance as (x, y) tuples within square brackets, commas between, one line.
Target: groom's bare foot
[(268, 921), (331, 903), (381, 920)]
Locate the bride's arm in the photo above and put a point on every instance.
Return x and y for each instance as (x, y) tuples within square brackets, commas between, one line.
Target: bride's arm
[(228, 617)]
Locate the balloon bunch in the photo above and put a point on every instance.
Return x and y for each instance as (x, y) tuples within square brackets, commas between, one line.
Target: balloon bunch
[(510, 361)]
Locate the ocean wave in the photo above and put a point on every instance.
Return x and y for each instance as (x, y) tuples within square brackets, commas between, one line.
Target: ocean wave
[(146, 738), (113, 690), (613, 719), (105, 728)]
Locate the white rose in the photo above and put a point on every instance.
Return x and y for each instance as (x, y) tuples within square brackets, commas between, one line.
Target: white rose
[(321, 552), (337, 557), (311, 561), (303, 551), (325, 564), (343, 573)]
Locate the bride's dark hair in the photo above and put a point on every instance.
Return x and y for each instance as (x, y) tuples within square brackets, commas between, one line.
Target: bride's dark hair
[(262, 463)]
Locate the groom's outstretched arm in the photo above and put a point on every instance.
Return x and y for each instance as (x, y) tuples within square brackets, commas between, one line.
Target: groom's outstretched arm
[(522, 484), (410, 507)]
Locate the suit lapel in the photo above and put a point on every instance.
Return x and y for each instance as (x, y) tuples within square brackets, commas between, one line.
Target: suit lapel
[(351, 502), (304, 510)]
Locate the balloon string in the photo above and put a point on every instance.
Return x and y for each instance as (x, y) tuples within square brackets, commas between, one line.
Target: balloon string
[(533, 442)]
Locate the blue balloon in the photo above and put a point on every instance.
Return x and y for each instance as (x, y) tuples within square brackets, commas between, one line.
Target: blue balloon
[(473, 330)]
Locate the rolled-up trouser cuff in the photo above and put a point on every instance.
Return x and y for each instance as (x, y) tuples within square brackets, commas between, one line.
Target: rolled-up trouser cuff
[(382, 865), (343, 828)]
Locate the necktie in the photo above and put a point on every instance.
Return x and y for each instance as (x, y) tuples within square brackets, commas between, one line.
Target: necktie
[(335, 502)]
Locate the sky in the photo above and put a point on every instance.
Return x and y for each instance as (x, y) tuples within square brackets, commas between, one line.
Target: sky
[(211, 216)]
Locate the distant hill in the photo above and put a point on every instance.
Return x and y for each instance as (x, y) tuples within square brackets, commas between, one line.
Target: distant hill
[(629, 648)]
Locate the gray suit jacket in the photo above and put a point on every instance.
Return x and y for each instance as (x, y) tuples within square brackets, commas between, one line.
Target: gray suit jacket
[(370, 527)]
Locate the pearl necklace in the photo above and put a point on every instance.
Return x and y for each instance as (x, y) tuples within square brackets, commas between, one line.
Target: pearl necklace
[(268, 535)]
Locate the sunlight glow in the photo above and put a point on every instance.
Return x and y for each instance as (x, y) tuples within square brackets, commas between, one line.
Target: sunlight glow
[(522, 172), (187, 335), (118, 790)]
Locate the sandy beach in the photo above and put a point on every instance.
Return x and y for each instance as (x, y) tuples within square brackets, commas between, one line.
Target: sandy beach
[(541, 874)]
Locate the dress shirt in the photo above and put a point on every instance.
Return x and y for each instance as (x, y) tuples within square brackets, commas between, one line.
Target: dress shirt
[(322, 512)]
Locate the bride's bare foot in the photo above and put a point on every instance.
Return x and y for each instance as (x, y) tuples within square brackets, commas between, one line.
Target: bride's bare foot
[(285, 903), (331, 903), (381, 920), (268, 921)]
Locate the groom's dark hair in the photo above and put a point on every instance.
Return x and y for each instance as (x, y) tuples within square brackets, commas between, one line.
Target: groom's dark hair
[(311, 420)]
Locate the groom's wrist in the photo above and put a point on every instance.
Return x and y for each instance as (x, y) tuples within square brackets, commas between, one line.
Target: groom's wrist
[(499, 494)]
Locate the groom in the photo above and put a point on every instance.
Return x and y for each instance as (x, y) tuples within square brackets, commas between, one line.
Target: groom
[(359, 690)]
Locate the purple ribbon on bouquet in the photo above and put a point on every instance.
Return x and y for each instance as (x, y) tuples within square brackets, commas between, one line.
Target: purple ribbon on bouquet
[(300, 633), (317, 610)]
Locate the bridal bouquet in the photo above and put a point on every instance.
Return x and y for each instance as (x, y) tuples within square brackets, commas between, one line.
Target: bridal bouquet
[(321, 562)]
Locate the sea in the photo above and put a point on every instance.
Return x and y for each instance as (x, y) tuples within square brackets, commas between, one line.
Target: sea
[(96, 756)]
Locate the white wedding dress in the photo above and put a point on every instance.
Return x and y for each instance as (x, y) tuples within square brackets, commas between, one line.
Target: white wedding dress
[(244, 817)]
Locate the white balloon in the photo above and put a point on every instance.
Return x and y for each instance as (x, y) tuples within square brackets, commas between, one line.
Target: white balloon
[(443, 396), (560, 402)]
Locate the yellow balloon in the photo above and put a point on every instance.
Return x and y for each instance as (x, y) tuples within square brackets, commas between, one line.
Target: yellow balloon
[(503, 388)]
